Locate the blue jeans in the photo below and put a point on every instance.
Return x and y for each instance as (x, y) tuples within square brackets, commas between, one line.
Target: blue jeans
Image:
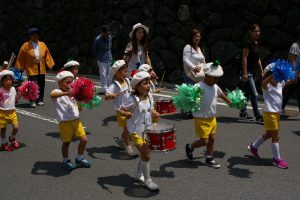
[(249, 89)]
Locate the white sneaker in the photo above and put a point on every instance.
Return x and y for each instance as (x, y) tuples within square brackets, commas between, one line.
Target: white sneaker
[(139, 177), (32, 105), (151, 185), (40, 103), (130, 151), (120, 142)]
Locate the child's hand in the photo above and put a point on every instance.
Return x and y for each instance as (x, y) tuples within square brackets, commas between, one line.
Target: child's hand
[(155, 114), (110, 96), (128, 115), (157, 90), (70, 94)]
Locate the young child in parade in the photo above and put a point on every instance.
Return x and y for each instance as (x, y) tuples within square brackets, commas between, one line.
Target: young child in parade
[(69, 121), (8, 113), (153, 79), (117, 91), (205, 119), (272, 93), (139, 110), (72, 66)]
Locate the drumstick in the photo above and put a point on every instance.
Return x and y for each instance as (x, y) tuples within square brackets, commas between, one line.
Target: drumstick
[(11, 60), (162, 78), (122, 92)]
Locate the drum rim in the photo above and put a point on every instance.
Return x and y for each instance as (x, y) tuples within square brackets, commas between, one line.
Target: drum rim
[(160, 132)]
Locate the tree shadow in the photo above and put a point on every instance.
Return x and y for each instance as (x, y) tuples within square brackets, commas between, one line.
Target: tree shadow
[(248, 161), (106, 120), (227, 120), (131, 188), (297, 133), (49, 169), (115, 152), (57, 136)]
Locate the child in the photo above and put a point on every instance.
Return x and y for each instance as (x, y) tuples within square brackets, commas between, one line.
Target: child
[(138, 109), (147, 68), (119, 89), (205, 118), (72, 66), (272, 93), (69, 121), (8, 113)]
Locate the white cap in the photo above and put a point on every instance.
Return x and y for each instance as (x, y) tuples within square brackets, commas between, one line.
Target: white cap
[(214, 70), (144, 68), (63, 74), (117, 65), (138, 77), (269, 67), (5, 63), (136, 26), (71, 64), (6, 72)]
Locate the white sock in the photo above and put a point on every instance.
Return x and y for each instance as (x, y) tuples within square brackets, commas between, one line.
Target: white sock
[(4, 140), (146, 169), (258, 142), (208, 156), (79, 157), (65, 160), (275, 150)]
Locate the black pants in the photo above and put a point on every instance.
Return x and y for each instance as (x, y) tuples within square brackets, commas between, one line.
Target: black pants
[(288, 91), (40, 80)]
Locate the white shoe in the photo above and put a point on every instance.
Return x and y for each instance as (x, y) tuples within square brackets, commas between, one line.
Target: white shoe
[(151, 185), (130, 151), (40, 103), (120, 142), (139, 177), (32, 105)]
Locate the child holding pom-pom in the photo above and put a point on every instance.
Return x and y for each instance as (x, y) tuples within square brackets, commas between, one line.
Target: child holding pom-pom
[(117, 91), (205, 120), (8, 113), (272, 93), (69, 120)]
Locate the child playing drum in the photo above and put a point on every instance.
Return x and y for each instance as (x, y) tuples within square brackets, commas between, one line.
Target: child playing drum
[(139, 110), (205, 118)]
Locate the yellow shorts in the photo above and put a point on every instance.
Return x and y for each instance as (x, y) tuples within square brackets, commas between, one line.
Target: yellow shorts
[(70, 129), (271, 121), (121, 120), (8, 117), (204, 127), (137, 140)]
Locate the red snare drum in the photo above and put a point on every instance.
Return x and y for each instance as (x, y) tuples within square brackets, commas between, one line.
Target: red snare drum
[(161, 137), (163, 106)]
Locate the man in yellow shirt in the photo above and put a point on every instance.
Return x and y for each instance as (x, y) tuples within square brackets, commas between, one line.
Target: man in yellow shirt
[(34, 57)]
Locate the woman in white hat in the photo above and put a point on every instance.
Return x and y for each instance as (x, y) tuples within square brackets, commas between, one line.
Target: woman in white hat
[(136, 52), (139, 110)]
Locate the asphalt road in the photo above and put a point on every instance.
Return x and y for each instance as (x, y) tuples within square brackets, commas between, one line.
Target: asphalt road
[(34, 171)]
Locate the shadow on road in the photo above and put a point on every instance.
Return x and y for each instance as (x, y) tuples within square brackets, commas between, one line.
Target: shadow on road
[(131, 188), (246, 161), (176, 117), (23, 105), (116, 152), (56, 135), (49, 169), (106, 121), (297, 133)]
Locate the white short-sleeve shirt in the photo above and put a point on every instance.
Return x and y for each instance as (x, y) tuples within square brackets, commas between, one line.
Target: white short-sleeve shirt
[(66, 107), (116, 88), (209, 100), (141, 113), (273, 98), (9, 103)]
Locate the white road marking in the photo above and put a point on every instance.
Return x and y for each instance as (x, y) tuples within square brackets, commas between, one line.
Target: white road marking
[(37, 116)]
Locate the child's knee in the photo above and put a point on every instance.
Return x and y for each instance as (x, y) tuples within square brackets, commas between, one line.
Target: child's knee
[(83, 139), (145, 157)]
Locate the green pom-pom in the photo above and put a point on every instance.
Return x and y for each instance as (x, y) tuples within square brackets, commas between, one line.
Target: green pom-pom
[(189, 97), (95, 102), (112, 62), (237, 98), (216, 63)]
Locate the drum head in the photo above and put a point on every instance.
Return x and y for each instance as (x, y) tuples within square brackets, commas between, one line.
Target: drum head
[(164, 100), (160, 128)]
